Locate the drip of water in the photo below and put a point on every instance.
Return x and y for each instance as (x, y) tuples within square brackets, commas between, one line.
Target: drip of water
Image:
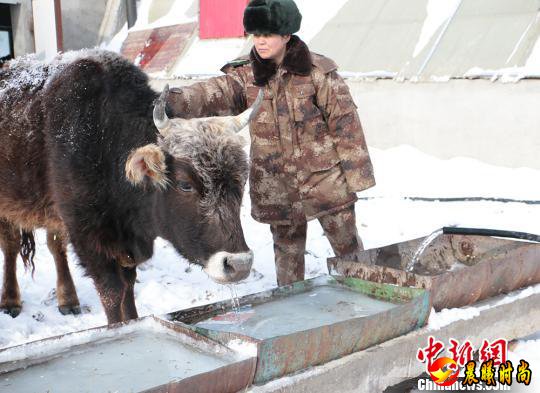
[(422, 248), (235, 301), (320, 306)]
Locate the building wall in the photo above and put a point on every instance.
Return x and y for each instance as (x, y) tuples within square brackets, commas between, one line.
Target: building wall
[(47, 34), (497, 123), (23, 28), (81, 21)]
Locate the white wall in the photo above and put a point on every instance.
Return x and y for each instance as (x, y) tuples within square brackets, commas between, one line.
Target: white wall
[(498, 123)]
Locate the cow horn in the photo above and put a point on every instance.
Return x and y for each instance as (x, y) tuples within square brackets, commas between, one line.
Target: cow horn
[(161, 120), (245, 117)]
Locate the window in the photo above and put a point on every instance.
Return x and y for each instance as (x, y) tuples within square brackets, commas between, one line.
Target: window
[(6, 39)]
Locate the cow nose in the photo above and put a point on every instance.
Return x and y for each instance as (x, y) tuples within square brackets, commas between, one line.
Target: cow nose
[(224, 267), (237, 264)]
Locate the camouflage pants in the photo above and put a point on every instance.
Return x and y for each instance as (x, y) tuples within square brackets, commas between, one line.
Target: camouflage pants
[(290, 243)]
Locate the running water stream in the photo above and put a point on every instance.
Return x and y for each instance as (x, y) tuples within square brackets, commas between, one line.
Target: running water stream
[(235, 301), (428, 240)]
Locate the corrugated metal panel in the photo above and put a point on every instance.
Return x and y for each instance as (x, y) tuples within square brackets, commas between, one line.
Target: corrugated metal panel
[(221, 18)]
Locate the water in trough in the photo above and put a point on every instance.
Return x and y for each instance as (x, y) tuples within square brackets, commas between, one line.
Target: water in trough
[(131, 363), (320, 306)]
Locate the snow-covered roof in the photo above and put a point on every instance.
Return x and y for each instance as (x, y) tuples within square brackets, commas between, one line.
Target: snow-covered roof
[(431, 40)]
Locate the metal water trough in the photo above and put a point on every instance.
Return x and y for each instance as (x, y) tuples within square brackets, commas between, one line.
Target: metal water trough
[(286, 353), (114, 359), (458, 269)]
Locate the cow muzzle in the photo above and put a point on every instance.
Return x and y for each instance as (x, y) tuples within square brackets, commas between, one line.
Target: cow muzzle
[(225, 267)]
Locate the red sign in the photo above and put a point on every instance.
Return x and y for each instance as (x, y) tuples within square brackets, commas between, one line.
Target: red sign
[(157, 49), (221, 18)]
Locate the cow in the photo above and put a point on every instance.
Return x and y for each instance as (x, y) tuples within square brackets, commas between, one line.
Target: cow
[(87, 151)]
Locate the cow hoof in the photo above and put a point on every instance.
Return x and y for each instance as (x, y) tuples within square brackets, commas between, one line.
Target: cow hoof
[(13, 311), (66, 310)]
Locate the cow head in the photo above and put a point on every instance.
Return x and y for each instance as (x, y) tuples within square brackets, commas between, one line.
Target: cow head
[(199, 168)]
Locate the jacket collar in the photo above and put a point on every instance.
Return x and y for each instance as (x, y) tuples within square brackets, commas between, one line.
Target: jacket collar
[(297, 60)]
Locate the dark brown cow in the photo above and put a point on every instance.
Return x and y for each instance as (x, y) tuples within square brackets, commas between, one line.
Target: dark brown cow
[(80, 155)]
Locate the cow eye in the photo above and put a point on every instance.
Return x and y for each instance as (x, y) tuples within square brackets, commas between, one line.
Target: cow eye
[(185, 186)]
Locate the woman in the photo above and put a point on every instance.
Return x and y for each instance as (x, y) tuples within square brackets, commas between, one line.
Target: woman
[(308, 152)]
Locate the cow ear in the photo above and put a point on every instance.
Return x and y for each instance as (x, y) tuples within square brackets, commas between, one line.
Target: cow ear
[(147, 162)]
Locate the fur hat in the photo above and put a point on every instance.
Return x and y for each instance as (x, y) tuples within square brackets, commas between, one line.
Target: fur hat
[(272, 17)]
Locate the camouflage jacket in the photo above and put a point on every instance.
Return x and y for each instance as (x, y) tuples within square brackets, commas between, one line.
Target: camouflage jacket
[(308, 152)]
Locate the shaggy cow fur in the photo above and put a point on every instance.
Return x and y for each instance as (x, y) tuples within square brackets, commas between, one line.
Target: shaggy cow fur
[(67, 130)]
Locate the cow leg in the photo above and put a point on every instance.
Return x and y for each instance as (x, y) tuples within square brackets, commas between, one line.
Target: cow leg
[(110, 287), (68, 301), (129, 310), (10, 242), (114, 284)]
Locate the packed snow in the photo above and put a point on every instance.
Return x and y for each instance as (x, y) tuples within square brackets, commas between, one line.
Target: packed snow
[(445, 317)]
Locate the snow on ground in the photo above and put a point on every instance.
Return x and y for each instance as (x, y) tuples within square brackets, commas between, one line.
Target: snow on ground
[(445, 317), (167, 283), (528, 349)]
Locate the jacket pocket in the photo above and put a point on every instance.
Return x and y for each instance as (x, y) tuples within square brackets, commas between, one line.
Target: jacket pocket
[(266, 111), (304, 103), (263, 128)]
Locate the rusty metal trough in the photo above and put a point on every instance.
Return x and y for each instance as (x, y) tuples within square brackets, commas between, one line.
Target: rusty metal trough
[(281, 352), (145, 355), (359, 306), (458, 269)]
